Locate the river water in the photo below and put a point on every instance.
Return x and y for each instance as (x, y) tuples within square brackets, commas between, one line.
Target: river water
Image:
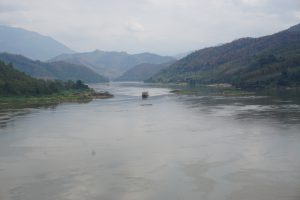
[(185, 147)]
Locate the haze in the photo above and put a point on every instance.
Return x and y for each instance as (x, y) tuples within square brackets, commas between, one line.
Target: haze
[(166, 27)]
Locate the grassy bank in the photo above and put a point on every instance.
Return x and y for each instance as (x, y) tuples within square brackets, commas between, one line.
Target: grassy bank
[(18, 89), (211, 90), (283, 93), (80, 96)]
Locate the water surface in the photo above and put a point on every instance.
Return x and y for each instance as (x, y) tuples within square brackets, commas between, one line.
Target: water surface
[(191, 147)]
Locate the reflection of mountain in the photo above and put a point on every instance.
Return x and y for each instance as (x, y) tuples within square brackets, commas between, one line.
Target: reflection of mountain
[(270, 105), (29, 44), (54, 70), (247, 62), (111, 64), (143, 71), (10, 115)]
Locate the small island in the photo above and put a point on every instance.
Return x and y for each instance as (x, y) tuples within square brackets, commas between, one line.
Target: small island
[(18, 89)]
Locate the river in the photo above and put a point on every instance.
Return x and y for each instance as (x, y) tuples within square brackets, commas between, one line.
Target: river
[(168, 147)]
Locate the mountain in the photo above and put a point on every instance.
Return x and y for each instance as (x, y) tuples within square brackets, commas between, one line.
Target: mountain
[(272, 60), (30, 44), (52, 70), (182, 55), (144, 71), (14, 82), (111, 64)]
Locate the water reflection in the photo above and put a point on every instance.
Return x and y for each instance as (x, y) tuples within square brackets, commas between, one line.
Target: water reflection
[(9, 115), (247, 107), (12, 114)]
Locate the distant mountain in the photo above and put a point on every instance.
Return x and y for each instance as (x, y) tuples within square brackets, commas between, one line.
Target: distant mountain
[(143, 71), (182, 55), (30, 44), (111, 64), (272, 60), (52, 70)]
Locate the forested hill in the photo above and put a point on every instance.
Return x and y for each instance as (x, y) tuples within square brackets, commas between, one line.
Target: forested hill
[(53, 70), (143, 71), (272, 60), (14, 82)]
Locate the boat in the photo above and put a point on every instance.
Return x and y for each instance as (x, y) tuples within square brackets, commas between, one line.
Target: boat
[(145, 95)]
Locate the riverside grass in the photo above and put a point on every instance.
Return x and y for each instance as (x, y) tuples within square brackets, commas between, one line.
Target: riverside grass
[(82, 96)]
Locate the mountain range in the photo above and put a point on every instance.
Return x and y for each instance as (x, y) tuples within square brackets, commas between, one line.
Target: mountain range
[(30, 44), (39, 47), (144, 71), (52, 70), (272, 60), (111, 64)]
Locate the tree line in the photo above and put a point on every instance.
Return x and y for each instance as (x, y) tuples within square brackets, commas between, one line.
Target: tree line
[(14, 82)]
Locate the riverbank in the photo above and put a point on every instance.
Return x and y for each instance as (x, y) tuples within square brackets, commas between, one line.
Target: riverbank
[(80, 96), (227, 90), (209, 90)]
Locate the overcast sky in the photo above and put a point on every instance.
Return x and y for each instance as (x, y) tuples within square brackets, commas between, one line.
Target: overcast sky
[(161, 26)]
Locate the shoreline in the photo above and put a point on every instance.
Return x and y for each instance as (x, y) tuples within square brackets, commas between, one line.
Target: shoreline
[(83, 96)]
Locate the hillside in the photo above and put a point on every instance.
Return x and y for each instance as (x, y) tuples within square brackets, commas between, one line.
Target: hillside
[(30, 44), (111, 64), (272, 60), (143, 71), (182, 55), (14, 82), (54, 70)]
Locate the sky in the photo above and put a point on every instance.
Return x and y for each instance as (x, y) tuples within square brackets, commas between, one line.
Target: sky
[(166, 27)]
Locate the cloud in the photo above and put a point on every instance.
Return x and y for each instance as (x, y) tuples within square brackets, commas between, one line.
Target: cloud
[(134, 26), (268, 6), (253, 2), (297, 14), (10, 8), (161, 26)]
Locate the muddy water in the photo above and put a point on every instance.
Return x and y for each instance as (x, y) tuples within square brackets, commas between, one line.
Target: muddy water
[(169, 146)]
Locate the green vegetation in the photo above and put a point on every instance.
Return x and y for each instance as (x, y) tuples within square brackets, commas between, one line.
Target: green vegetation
[(13, 82), (210, 90), (45, 100), (248, 63), (18, 89)]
